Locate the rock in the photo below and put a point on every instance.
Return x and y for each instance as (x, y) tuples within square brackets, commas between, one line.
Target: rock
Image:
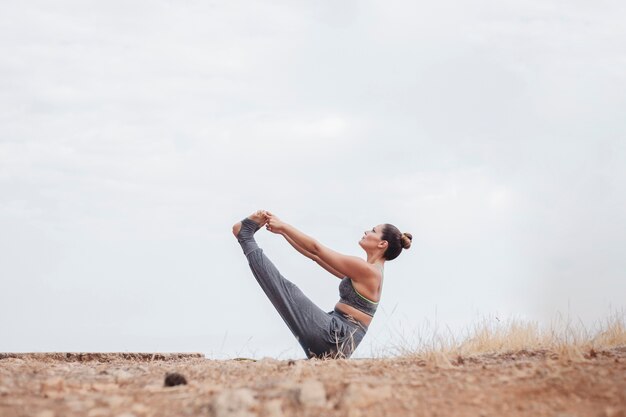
[(234, 403), (140, 408), (52, 385), (273, 408), (614, 412), (470, 379), (477, 400), (296, 369), (115, 401), (45, 413), (104, 386), (312, 393), (126, 415), (122, 376), (174, 378), (355, 412), (360, 395), (504, 379), (78, 405), (98, 412)]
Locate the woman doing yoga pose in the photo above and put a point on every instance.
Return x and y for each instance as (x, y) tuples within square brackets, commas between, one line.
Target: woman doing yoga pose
[(321, 334)]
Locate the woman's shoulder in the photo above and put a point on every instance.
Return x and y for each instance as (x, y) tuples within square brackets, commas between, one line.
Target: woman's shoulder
[(375, 273)]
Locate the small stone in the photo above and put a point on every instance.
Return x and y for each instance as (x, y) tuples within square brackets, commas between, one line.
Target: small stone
[(104, 386), (45, 413), (272, 408), (234, 403), (78, 405), (174, 378), (126, 415), (360, 396), (122, 375), (312, 393), (614, 412), (140, 408), (477, 400), (55, 385), (504, 379), (115, 401), (354, 412), (98, 412)]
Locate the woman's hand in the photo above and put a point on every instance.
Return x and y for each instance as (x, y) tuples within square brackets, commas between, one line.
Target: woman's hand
[(274, 224)]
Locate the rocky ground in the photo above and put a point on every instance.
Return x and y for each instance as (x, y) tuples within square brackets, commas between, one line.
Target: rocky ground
[(537, 383)]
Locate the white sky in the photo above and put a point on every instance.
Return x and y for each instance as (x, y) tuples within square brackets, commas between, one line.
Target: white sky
[(134, 134)]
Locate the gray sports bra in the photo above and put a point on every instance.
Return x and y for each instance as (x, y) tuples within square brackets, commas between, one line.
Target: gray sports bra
[(350, 296)]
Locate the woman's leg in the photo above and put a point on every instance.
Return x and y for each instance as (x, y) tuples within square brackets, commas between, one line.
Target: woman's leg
[(308, 323)]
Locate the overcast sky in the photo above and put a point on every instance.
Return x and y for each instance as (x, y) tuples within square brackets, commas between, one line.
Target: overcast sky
[(134, 134)]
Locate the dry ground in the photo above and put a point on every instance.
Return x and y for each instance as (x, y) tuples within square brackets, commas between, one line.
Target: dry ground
[(529, 383)]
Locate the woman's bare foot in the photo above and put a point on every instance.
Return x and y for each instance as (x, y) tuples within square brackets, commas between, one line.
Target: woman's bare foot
[(258, 217)]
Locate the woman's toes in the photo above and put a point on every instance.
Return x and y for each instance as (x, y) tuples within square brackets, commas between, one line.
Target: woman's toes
[(258, 217)]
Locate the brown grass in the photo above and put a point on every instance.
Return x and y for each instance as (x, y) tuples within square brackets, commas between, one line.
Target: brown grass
[(562, 338)]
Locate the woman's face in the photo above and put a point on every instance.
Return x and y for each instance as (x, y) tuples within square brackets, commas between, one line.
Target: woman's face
[(372, 238)]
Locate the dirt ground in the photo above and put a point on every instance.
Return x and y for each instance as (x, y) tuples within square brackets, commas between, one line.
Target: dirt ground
[(536, 383)]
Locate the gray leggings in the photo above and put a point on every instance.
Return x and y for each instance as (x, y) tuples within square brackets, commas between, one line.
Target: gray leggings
[(321, 334)]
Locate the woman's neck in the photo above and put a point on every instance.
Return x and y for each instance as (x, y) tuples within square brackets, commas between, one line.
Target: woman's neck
[(375, 259)]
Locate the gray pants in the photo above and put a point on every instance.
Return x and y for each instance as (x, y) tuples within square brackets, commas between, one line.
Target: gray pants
[(321, 334)]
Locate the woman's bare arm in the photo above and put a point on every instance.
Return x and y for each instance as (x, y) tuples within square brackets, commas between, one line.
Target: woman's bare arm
[(352, 266), (313, 257)]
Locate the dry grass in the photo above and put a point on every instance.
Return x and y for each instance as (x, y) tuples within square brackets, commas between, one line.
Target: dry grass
[(613, 334), (562, 338)]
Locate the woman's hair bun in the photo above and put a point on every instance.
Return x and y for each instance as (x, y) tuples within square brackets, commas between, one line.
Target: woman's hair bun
[(406, 239), (396, 241)]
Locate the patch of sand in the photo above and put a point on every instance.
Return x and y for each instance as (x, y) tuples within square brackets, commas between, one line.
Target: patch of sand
[(523, 383)]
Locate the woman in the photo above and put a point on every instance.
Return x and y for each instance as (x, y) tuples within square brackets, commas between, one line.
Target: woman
[(339, 332)]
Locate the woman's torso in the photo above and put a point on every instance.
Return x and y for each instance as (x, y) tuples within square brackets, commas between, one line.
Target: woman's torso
[(366, 292)]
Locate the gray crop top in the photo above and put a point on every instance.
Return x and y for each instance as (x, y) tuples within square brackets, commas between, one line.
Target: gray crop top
[(350, 296)]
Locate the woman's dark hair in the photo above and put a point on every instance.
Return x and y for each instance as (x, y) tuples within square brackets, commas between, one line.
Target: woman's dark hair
[(396, 240)]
